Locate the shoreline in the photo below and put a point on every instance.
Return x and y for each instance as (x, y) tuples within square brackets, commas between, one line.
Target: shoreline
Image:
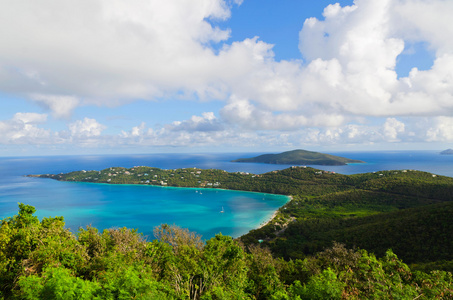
[(273, 215)]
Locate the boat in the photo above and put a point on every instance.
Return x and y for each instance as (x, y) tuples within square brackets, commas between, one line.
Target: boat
[(222, 211)]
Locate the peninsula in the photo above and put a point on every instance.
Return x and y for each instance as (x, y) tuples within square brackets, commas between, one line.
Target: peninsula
[(300, 157)]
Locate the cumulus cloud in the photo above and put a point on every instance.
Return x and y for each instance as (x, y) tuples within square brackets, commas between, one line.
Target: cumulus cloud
[(365, 40), (23, 129), (65, 54), (349, 69), (107, 51), (428, 21), (441, 130), (86, 128), (348, 73), (207, 122), (392, 128)]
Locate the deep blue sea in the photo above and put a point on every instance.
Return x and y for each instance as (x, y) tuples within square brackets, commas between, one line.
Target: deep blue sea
[(144, 207)]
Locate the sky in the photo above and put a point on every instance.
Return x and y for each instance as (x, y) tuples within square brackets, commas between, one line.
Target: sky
[(151, 76)]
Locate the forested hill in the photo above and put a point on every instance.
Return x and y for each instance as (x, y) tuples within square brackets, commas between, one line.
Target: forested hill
[(407, 211), (410, 212), (295, 256), (299, 157)]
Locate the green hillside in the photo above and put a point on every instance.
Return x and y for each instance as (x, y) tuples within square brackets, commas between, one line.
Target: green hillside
[(407, 211), (299, 157), (340, 237)]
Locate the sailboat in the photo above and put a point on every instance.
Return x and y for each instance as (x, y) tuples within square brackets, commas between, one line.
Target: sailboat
[(222, 211)]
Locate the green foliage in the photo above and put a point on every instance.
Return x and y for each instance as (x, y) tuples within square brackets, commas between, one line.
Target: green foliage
[(57, 283), (131, 282), (263, 275), (435, 285), (120, 264), (21, 239), (325, 285), (406, 211), (418, 234)]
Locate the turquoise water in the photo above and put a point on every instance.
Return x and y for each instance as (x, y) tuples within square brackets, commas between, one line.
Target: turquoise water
[(144, 207), (133, 206)]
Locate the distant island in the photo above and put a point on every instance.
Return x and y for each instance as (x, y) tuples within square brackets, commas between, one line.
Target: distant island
[(447, 152), (300, 157)]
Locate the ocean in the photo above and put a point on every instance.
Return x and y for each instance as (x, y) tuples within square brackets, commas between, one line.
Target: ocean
[(144, 207)]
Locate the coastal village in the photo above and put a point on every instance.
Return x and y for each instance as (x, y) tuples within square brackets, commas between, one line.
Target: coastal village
[(193, 177)]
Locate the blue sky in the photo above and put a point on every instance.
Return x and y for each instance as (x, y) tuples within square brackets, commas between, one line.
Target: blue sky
[(80, 77)]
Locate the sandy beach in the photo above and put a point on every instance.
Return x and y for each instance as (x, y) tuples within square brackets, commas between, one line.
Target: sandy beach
[(273, 216)]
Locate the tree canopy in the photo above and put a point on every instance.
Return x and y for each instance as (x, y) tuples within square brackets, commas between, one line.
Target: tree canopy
[(44, 260)]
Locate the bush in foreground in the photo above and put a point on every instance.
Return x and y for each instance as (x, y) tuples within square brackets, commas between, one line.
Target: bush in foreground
[(44, 260)]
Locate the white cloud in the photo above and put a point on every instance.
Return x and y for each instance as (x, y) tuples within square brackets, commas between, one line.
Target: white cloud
[(30, 118), (441, 130), (88, 133), (389, 130), (66, 54), (349, 74), (86, 128), (61, 106), (207, 122), (392, 128), (249, 116), (428, 21), (138, 130), (351, 56), (23, 129), (107, 51)]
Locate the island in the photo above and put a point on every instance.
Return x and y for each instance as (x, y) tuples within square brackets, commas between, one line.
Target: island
[(447, 152), (300, 157)]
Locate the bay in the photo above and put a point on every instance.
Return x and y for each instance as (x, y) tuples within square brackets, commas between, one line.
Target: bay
[(143, 207), (133, 206)]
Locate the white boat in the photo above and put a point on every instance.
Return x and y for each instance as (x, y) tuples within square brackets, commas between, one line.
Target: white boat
[(222, 211)]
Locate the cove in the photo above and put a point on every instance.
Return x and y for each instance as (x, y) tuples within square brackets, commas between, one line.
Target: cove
[(144, 207)]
